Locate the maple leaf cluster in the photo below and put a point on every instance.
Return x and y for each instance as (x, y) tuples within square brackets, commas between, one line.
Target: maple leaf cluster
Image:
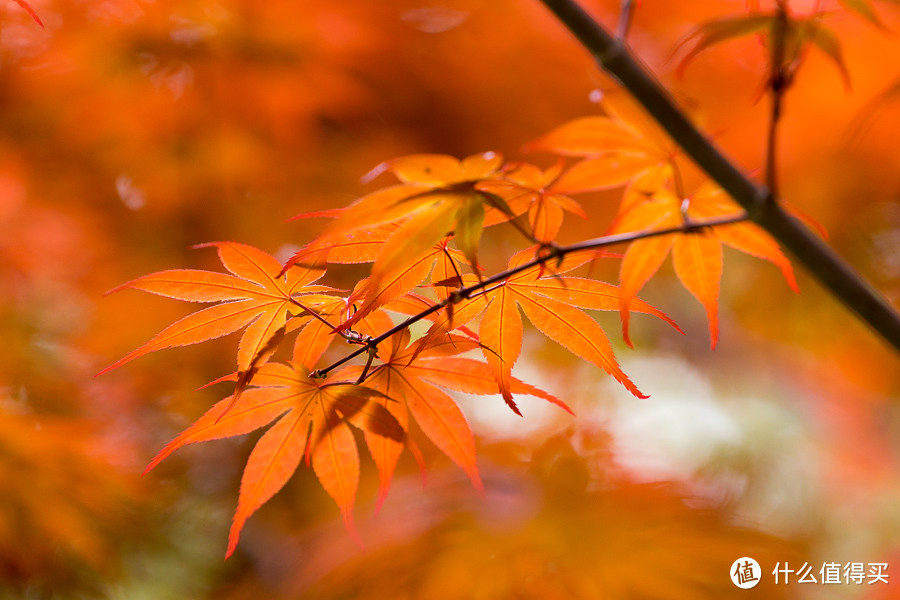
[(422, 237)]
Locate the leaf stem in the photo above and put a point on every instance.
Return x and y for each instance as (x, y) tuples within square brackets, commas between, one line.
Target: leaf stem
[(351, 336), (559, 252), (365, 371), (626, 15)]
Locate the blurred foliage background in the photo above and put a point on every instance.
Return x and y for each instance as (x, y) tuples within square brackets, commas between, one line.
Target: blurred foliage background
[(132, 129)]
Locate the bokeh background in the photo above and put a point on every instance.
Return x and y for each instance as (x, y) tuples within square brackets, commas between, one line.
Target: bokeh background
[(132, 129)]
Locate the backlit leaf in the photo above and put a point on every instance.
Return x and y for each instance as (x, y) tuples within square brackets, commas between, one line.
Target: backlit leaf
[(550, 302), (526, 188), (335, 460), (469, 225), (408, 377), (716, 32), (863, 8), (577, 332), (310, 415), (254, 296), (642, 260), (826, 41), (617, 148), (697, 257), (501, 333)]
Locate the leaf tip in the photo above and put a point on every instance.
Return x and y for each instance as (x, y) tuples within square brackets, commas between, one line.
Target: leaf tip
[(507, 397), (229, 377), (330, 213), (117, 288), (382, 496), (375, 172), (477, 483), (215, 245), (565, 407), (111, 367), (234, 535), (204, 245), (350, 526), (31, 12), (625, 318), (626, 334), (161, 456)]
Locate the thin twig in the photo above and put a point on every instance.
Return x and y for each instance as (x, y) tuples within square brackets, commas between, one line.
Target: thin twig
[(365, 371), (349, 335), (778, 84), (514, 221), (558, 252), (311, 312), (838, 277), (446, 252), (626, 15)]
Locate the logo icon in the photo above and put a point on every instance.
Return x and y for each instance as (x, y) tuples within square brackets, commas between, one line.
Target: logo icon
[(745, 573)]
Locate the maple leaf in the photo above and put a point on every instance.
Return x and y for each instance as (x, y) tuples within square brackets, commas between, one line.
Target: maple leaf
[(438, 194), (408, 378), (441, 262), (697, 255), (317, 334), (252, 296), (354, 247), (363, 246), (311, 419), (616, 148), (864, 9), (798, 34), (553, 304), (525, 187), (721, 30)]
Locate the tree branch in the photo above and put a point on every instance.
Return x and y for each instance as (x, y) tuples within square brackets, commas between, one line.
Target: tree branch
[(557, 253), (778, 84), (836, 275)]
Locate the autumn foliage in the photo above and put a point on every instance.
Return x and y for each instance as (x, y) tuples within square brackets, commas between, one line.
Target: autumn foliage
[(424, 233), (515, 221), (405, 230)]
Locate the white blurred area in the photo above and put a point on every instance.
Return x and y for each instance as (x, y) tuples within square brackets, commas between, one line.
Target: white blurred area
[(734, 443)]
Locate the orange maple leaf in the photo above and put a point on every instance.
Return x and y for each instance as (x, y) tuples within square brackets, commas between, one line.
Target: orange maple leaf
[(408, 378), (553, 304), (616, 148), (438, 194), (312, 419), (525, 187), (697, 255), (253, 296), (364, 246), (798, 33)]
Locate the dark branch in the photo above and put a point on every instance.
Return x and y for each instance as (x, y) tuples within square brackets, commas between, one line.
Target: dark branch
[(836, 275), (557, 253)]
